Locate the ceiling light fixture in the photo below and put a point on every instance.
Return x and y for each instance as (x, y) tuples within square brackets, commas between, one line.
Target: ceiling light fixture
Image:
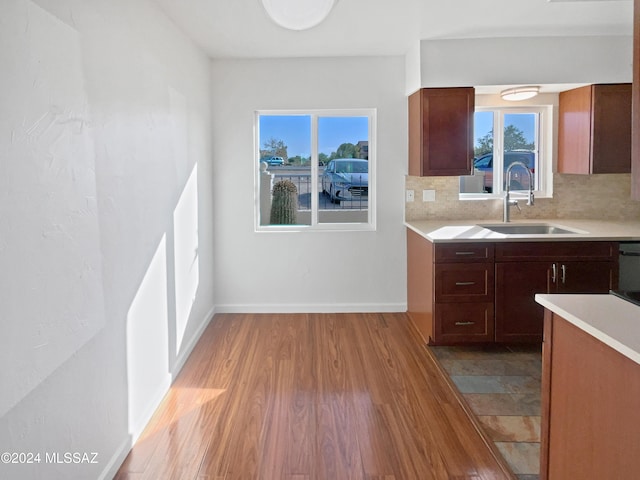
[(298, 14), (519, 93)]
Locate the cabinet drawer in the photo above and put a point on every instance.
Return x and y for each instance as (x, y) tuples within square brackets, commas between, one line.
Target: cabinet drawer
[(463, 252), (464, 322), (468, 282), (555, 251)]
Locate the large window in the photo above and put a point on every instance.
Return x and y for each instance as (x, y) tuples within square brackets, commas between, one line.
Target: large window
[(315, 170), (505, 139)]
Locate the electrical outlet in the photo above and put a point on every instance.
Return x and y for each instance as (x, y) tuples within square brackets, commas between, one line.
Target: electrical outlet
[(428, 195), (411, 196)]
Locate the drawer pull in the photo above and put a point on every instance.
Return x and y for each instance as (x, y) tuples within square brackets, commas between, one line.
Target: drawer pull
[(465, 253), (464, 284), (464, 324)]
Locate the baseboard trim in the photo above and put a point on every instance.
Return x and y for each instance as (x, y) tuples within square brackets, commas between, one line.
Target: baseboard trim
[(121, 453), (184, 355), (116, 460), (311, 308)]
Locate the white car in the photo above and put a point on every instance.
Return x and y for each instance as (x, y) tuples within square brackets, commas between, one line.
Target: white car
[(346, 179)]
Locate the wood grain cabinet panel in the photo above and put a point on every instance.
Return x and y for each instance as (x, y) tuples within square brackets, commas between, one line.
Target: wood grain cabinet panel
[(525, 269), (450, 290), (586, 277), (594, 129), (464, 323), (464, 282), (441, 131), (554, 251), (518, 317), (464, 252), (485, 292), (590, 413)]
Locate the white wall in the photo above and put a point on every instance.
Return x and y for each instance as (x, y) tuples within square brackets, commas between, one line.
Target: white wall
[(526, 60), (106, 248), (312, 271)]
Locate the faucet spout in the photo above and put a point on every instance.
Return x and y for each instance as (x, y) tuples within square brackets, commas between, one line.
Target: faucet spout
[(508, 202)]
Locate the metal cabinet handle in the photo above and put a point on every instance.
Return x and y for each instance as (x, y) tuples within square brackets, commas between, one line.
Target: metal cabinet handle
[(553, 273), (464, 284), (563, 269), (465, 253), (464, 324)]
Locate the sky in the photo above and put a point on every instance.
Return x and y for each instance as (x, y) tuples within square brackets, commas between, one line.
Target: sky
[(483, 123), (295, 131)]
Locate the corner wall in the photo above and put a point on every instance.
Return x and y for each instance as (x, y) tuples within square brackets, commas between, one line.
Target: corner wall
[(106, 247)]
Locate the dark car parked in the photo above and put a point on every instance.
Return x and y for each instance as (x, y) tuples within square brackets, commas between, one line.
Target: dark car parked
[(519, 179)]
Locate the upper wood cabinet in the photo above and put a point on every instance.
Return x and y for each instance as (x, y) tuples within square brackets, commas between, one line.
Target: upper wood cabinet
[(594, 130), (441, 131)]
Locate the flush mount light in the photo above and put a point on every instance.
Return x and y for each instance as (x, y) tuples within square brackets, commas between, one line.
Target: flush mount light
[(519, 93), (298, 14)]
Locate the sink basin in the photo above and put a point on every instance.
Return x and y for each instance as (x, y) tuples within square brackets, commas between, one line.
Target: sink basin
[(529, 229)]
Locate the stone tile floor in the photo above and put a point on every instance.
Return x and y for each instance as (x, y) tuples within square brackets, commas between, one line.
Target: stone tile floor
[(502, 386)]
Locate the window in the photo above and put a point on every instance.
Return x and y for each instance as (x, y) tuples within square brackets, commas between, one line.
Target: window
[(315, 170), (504, 136)]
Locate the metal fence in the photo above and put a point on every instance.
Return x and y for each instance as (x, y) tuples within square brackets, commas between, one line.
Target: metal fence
[(302, 182)]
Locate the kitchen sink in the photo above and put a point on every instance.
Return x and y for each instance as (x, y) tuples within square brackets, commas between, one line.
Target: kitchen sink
[(530, 229)]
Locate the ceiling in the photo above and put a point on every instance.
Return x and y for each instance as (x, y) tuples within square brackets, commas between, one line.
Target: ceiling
[(241, 28)]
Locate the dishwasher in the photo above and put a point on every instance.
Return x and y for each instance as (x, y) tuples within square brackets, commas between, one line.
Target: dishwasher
[(629, 279)]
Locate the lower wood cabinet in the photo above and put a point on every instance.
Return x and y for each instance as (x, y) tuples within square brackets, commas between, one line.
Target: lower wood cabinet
[(451, 290), (590, 413), (463, 309), (518, 316), (484, 292), (524, 269)]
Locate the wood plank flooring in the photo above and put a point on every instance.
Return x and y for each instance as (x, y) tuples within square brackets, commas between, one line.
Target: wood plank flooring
[(311, 397)]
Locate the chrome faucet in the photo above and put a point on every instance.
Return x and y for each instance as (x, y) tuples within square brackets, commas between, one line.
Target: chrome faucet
[(507, 198)]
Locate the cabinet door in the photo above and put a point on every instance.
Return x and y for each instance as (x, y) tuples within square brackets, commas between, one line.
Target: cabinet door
[(586, 277), (574, 131), (518, 317), (611, 142), (594, 129), (441, 131)]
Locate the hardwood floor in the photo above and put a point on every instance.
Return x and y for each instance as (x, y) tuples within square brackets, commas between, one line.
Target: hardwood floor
[(311, 396)]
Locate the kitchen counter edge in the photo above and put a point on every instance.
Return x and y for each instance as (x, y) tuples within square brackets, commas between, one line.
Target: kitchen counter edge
[(450, 231), (612, 320)]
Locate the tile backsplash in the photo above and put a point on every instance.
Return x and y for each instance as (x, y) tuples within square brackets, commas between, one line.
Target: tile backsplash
[(604, 197)]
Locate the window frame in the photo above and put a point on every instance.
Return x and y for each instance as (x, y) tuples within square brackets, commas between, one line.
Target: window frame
[(544, 160), (315, 114)]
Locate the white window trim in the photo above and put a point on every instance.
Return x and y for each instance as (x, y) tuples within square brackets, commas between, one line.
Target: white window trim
[(315, 226), (545, 151)]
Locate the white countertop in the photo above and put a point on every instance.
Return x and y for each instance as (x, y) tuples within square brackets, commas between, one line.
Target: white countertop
[(610, 319), (443, 231)]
